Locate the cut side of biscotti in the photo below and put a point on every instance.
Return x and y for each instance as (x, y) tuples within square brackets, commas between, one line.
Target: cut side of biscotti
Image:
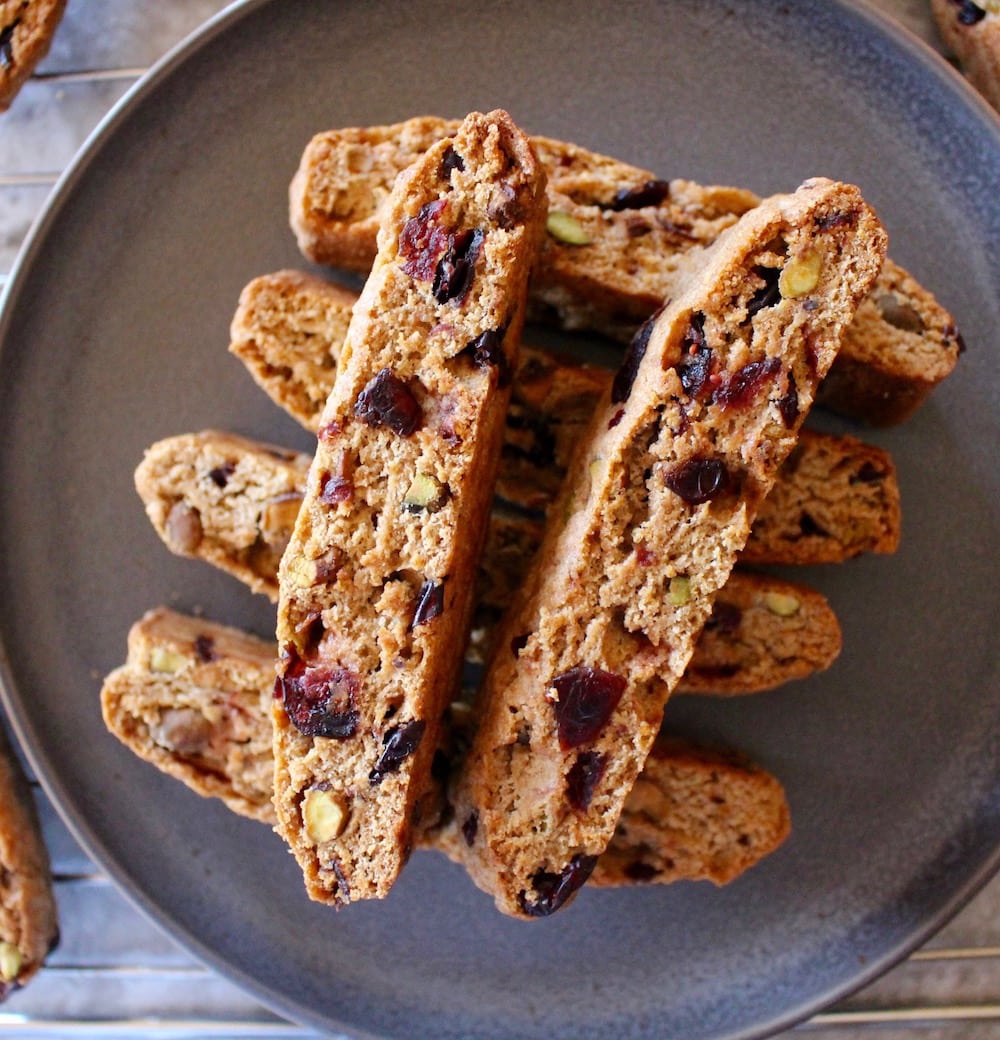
[(971, 31), (29, 926), (656, 506), (194, 699), (26, 31), (375, 587), (207, 723), (835, 498), (616, 245)]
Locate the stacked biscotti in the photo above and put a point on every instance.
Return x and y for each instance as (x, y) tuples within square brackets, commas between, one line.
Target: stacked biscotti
[(391, 561)]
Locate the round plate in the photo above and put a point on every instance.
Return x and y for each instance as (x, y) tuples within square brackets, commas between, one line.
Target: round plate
[(114, 335)]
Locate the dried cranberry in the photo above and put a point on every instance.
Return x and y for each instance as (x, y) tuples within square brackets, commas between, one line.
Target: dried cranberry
[(221, 474), (505, 208), (330, 431), (7, 44), (639, 871), (583, 778), (398, 744), (742, 386), (204, 647), (423, 241), (789, 403), (587, 697), (451, 160), (486, 351), (968, 12), (649, 193), (454, 271), (868, 474), (335, 488), (388, 401), (430, 603), (768, 294), (616, 418), (343, 888), (951, 332), (470, 827), (695, 364), (726, 616), (553, 890), (698, 480), (838, 218), (319, 699), (625, 376)]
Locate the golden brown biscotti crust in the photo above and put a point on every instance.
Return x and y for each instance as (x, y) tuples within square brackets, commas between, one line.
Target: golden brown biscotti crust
[(193, 698), (617, 242), (29, 926), (176, 713), (655, 508), (972, 32), (835, 498), (375, 588), (26, 31)]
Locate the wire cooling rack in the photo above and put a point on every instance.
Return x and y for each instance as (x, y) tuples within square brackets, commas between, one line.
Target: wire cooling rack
[(114, 974)]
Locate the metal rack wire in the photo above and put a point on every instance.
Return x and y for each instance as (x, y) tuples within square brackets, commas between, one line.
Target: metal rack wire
[(128, 980)]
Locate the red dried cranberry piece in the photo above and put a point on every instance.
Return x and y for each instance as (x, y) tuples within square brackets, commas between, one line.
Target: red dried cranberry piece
[(453, 275), (649, 193), (319, 700), (838, 218), (388, 401), (470, 827), (335, 488), (725, 616), (789, 403), (505, 208), (769, 293), (587, 697), (553, 890), (430, 603), (616, 418), (330, 431), (695, 364), (221, 474), (698, 480), (486, 351), (583, 778), (423, 241), (639, 871), (743, 385), (398, 744), (969, 13), (451, 160), (625, 376), (204, 647)]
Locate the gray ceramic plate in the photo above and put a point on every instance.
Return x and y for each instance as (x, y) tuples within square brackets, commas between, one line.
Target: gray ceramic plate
[(114, 335)]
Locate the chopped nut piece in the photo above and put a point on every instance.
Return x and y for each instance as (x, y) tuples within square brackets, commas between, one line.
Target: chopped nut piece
[(325, 815), (163, 660), (426, 493), (301, 571), (279, 514), (565, 228), (801, 274), (680, 590), (10, 962), (183, 528), (781, 603)]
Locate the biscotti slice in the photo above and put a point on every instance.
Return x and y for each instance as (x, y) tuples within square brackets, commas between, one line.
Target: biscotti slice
[(190, 722), (26, 31), (762, 633), (194, 699), (617, 238), (835, 497), (224, 499), (29, 926), (971, 31), (376, 583), (694, 814), (655, 509)]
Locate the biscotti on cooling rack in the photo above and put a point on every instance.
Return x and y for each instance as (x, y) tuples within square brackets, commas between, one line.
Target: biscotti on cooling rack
[(656, 508), (617, 238), (375, 589)]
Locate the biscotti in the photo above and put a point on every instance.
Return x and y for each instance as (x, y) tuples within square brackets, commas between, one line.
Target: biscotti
[(696, 814), (192, 722), (26, 31), (971, 32), (617, 239), (835, 498), (29, 926), (375, 588), (194, 699), (656, 506), (224, 499)]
